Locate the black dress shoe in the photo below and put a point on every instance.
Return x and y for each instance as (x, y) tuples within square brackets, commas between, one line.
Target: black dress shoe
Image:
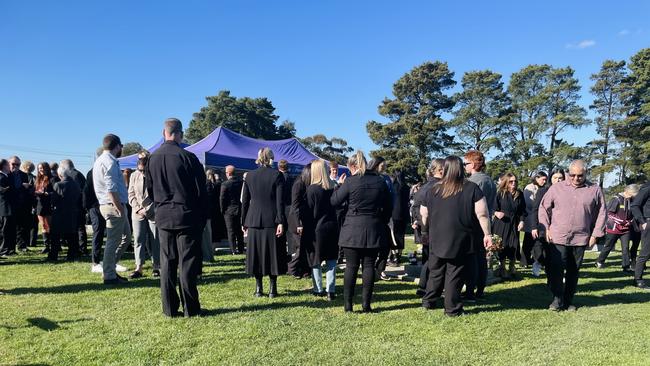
[(367, 309), (258, 294), (331, 296), (45, 250), (273, 295), (119, 280), (135, 274), (627, 270), (642, 285), (156, 273), (420, 293), (455, 315), (347, 308), (318, 294)]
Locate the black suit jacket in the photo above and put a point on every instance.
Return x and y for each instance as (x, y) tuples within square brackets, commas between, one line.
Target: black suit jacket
[(89, 197), (176, 183), (6, 196), (370, 205), (65, 199), (262, 201), (24, 198), (230, 197)]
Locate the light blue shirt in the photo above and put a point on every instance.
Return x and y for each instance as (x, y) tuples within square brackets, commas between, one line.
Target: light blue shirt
[(107, 177)]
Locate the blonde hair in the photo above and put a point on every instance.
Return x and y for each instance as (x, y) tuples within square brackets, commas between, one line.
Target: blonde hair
[(631, 191), (319, 175), (504, 184), (359, 161), (264, 157)]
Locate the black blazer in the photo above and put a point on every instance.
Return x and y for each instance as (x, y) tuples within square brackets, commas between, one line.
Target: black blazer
[(65, 200), (24, 198), (370, 206), (176, 183), (230, 197), (6, 196), (401, 204), (88, 193), (262, 201)]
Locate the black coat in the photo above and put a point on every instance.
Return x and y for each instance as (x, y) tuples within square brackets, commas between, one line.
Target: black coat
[(88, 193), (24, 198), (325, 230), (370, 206), (298, 214), (262, 201), (65, 198), (6, 196), (176, 183), (401, 204), (230, 197)]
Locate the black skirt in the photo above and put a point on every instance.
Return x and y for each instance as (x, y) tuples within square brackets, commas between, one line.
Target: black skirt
[(264, 256), (43, 206)]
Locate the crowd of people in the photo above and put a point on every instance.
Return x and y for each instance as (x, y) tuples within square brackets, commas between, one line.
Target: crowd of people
[(171, 210)]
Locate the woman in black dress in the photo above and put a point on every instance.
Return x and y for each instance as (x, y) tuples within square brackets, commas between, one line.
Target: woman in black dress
[(300, 224), (324, 246), (400, 218), (364, 233), (262, 218), (451, 210), (509, 216), (43, 191)]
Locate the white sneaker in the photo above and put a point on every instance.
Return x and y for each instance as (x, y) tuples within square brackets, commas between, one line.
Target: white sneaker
[(120, 268), (97, 268), (537, 268)]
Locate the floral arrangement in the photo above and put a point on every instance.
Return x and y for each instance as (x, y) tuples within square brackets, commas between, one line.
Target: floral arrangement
[(493, 250)]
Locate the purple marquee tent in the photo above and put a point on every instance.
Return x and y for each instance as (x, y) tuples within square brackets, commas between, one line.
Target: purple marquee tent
[(131, 161)]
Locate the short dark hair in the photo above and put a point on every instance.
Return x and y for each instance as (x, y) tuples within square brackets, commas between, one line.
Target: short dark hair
[(3, 162), (283, 165), (173, 125), (111, 141)]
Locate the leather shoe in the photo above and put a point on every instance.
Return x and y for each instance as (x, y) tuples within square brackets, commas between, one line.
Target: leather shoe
[(119, 280), (642, 285), (331, 296)]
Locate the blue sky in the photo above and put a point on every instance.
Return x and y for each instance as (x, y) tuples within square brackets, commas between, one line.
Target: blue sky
[(72, 71)]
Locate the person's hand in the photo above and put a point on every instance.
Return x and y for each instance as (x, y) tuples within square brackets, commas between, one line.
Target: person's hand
[(244, 229), (520, 227), (592, 241), (549, 239), (534, 233), (342, 178), (299, 230), (487, 241), (644, 226), (499, 215), (279, 231), (414, 226), (120, 211)]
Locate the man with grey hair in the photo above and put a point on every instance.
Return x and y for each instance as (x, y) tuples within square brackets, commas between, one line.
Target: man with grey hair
[(176, 183), (572, 213), (79, 178), (65, 199), (112, 195)]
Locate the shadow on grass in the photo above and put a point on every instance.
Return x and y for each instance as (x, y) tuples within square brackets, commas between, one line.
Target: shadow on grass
[(45, 324), (82, 287)]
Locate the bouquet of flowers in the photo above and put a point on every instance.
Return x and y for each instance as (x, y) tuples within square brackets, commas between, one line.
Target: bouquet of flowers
[(493, 250)]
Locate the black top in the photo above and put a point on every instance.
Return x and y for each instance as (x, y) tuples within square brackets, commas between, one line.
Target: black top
[(538, 200), (262, 203), (89, 197), (298, 214), (641, 205), (78, 178), (65, 205), (401, 206), (230, 196), (318, 200), (6, 196), (44, 201), (514, 209), (419, 199), (286, 189), (175, 181), (370, 206), (451, 221)]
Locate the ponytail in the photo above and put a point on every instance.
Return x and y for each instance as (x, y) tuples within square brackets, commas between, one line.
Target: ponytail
[(359, 161)]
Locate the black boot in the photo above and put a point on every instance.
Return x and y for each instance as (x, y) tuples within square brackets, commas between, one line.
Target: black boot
[(273, 291), (259, 289), (46, 242)]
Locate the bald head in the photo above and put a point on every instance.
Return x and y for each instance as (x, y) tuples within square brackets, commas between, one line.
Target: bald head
[(230, 171)]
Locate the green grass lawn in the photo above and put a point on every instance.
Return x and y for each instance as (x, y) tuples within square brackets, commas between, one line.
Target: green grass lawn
[(62, 315)]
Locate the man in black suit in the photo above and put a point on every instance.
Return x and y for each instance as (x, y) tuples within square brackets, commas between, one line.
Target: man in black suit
[(7, 226), (176, 182), (65, 204), (79, 178), (230, 203), (24, 197)]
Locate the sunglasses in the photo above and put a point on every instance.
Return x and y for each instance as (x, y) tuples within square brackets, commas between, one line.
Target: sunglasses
[(14, 164), (576, 175), (512, 181)]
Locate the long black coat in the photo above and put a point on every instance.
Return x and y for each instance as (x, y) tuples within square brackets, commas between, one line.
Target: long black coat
[(6, 196), (65, 205), (176, 183), (515, 211), (325, 230), (262, 201), (230, 197), (370, 206)]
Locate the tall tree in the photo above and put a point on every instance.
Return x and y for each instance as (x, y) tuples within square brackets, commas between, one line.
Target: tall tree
[(611, 92), (333, 149), (253, 117), (483, 111), (415, 130), (131, 148)]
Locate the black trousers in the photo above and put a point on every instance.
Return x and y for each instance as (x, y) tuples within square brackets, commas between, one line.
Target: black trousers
[(33, 233), (610, 243), (424, 272), (298, 265), (399, 232), (23, 228), (476, 271), (644, 254), (71, 241), (563, 262), (355, 257), (527, 249), (99, 229), (83, 235), (180, 257), (235, 234), (445, 274), (7, 235)]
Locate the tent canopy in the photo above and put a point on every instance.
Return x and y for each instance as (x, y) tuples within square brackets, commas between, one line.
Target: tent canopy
[(131, 161)]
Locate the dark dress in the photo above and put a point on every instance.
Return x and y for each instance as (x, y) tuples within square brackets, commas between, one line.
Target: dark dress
[(451, 223), (262, 211), (324, 245), (44, 201), (401, 215), (506, 227)]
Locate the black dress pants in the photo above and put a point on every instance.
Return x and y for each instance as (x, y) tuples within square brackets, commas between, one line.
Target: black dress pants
[(99, 229), (445, 274), (71, 241), (366, 258), (180, 257), (610, 243), (83, 235), (23, 228), (527, 249), (476, 271), (235, 234), (298, 266), (7, 235), (644, 254), (33, 238), (563, 262), (424, 272)]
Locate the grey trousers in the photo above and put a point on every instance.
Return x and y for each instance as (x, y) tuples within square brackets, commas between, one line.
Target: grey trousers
[(146, 240), (118, 238)]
